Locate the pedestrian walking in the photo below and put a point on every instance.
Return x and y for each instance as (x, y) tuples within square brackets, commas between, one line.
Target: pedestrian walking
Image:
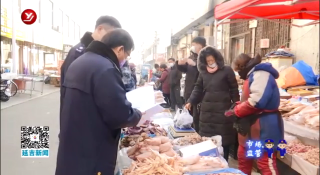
[(217, 90), (164, 80), (95, 108), (189, 67), (174, 81), (103, 25)]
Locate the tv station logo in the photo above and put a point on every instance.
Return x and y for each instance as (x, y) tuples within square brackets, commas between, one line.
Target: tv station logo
[(28, 16)]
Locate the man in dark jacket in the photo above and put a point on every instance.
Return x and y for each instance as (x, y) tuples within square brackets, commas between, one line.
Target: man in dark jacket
[(95, 108), (103, 25), (174, 81), (189, 66)]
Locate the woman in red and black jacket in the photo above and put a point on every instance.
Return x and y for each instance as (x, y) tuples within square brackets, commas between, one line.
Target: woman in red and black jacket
[(164, 80)]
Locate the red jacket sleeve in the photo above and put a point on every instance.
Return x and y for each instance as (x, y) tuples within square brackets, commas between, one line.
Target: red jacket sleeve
[(244, 109), (163, 76)]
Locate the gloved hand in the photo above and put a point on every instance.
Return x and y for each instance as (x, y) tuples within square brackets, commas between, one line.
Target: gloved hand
[(229, 113)]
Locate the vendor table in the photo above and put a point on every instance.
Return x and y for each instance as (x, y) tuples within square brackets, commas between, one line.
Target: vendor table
[(296, 163), (22, 79)]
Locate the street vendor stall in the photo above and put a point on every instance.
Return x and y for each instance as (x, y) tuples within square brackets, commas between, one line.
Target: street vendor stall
[(149, 149), (301, 126)]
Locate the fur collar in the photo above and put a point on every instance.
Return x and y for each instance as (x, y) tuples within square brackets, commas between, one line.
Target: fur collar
[(202, 62), (86, 39), (101, 49)]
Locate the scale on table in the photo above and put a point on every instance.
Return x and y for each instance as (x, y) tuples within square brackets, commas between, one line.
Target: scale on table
[(176, 132)]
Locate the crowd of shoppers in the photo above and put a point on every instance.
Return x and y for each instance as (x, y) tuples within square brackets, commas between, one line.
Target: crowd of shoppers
[(94, 107)]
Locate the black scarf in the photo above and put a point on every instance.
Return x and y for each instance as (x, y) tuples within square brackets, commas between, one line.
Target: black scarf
[(244, 72), (101, 49)]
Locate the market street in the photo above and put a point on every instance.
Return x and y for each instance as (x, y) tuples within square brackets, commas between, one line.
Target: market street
[(42, 111)]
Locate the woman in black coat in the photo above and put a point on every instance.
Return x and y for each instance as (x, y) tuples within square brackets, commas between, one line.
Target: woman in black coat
[(217, 90)]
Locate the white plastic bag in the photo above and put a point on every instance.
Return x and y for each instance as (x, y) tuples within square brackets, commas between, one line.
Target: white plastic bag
[(176, 116), (184, 120)]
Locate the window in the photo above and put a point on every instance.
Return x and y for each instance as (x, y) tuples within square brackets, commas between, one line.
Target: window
[(71, 30), (57, 20), (47, 13), (66, 25)]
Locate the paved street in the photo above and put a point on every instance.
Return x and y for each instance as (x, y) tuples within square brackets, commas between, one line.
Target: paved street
[(42, 111)]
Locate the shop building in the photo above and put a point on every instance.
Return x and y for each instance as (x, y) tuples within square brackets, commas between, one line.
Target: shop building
[(201, 25), (262, 36), (39, 46)]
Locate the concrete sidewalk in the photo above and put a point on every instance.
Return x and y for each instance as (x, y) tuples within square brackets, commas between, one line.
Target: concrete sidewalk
[(22, 97)]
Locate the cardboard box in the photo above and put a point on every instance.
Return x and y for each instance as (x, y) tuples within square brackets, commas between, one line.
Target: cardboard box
[(207, 148)]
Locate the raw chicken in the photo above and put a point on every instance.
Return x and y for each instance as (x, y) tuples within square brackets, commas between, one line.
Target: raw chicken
[(153, 141), (206, 163), (299, 119), (159, 165), (170, 153), (165, 147), (295, 111), (163, 139), (146, 155), (313, 122), (190, 160)]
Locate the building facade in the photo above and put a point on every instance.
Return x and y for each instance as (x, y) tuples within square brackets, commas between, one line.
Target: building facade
[(200, 25), (38, 46), (248, 37)]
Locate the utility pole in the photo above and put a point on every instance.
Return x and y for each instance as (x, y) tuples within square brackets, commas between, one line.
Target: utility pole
[(13, 49)]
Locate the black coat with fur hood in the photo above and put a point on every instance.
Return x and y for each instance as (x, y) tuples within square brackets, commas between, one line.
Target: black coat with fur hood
[(216, 92)]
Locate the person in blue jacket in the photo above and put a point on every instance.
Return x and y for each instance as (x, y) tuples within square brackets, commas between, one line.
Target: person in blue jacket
[(103, 25), (95, 108)]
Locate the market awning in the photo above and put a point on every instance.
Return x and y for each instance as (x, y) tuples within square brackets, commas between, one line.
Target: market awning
[(268, 9)]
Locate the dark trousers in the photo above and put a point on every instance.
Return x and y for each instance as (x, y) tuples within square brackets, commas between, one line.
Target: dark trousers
[(226, 152), (167, 98), (195, 112), (175, 97)]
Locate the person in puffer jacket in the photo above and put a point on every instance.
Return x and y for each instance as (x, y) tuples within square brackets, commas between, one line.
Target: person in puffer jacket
[(257, 112), (128, 80)]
